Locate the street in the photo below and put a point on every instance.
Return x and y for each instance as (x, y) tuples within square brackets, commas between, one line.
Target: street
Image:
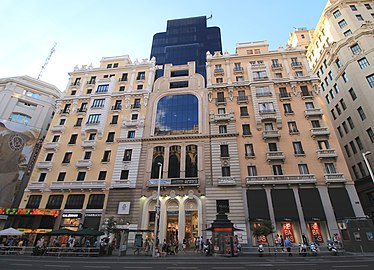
[(188, 262)]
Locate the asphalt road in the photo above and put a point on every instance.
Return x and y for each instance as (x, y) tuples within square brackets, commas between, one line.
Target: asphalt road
[(187, 263)]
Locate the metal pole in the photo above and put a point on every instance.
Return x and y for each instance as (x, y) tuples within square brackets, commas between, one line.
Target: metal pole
[(157, 216), (368, 164)]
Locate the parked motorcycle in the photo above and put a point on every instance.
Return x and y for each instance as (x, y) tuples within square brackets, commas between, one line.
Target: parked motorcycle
[(302, 249), (332, 248), (313, 249), (206, 248), (260, 250)]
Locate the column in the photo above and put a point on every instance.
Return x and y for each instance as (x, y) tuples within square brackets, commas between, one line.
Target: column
[(355, 201), (270, 205), (181, 220), (183, 161), (329, 210), (300, 210), (228, 72), (165, 167), (163, 221)]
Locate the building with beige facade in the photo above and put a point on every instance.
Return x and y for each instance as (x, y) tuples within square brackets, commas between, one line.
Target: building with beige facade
[(341, 53), (27, 106), (275, 155), (84, 154)]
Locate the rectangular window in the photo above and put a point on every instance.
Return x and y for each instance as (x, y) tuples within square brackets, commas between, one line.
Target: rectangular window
[(56, 138), (368, 7), (328, 99), (110, 137), (330, 75), (342, 103), (362, 170), (352, 93), (266, 107), (54, 201), (93, 119), (298, 148), (347, 151), (370, 134), (81, 176), (42, 177), (336, 88), (252, 171), (87, 155), (355, 171), (131, 134), (102, 175), (134, 116), (359, 18), (303, 168), (341, 134), (356, 49), (244, 111), (98, 103), (292, 127), (67, 157), (96, 201), (124, 175), (348, 33), (109, 66), (332, 94), (345, 127), (361, 113), (338, 109), (61, 176), (345, 77), (246, 130), (102, 88), (224, 150), (179, 73), (180, 84), (141, 76), (73, 139), (338, 63), (122, 89), (272, 147), (370, 80), (315, 124), (350, 122), (287, 108), (34, 201), (75, 201), (330, 168), (226, 171), (353, 146), (127, 155), (342, 23), (363, 63), (49, 157), (359, 143), (221, 97), (123, 77), (249, 151), (222, 129), (114, 119), (333, 114), (79, 122), (92, 136), (106, 156), (92, 80), (353, 7), (277, 170)]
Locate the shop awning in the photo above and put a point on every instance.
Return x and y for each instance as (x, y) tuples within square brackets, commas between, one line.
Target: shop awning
[(341, 203), (257, 205), (284, 204), (312, 204)]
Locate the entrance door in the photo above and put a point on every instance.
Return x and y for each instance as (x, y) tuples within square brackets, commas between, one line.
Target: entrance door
[(191, 226), (172, 226)]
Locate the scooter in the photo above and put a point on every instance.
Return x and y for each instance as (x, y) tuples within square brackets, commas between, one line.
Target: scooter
[(260, 250), (331, 247), (206, 249), (313, 249), (302, 249)]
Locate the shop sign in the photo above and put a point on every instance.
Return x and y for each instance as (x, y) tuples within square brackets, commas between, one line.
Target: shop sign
[(29, 211), (123, 208), (93, 215), (315, 231), (287, 231), (72, 215), (170, 182), (34, 230)]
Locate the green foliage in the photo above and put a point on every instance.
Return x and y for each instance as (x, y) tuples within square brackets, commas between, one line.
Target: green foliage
[(109, 225), (265, 228)]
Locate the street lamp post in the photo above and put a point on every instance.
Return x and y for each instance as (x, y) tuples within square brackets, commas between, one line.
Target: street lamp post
[(157, 216), (368, 164)]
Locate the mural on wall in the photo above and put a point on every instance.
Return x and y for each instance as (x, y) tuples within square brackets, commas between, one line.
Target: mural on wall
[(17, 142)]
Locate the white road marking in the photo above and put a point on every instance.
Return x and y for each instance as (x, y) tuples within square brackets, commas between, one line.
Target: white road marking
[(96, 266), (21, 264), (181, 267), (349, 266), (137, 267), (225, 268), (57, 265)]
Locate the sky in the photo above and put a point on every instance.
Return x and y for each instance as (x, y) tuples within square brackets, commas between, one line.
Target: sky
[(87, 30)]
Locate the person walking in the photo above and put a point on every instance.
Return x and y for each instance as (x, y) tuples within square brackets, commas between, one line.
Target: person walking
[(288, 245)]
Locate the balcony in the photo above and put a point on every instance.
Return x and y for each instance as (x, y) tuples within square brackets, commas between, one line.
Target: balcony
[(238, 70), (313, 112), (132, 123), (78, 185), (326, 153), (319, 131), (226, 181), (44, 165), (306, 95), (88, 144), (120, 184), (224, 117), (261, 66), (261, 78), (135, 106), (335, 178), (218, 71), (174, 182), (51, 146), (81, 110), (270, 134), (267, 111), (75, 85), (276, 67), (122, 81), (65, 111), (220, 101), (275, 156), (285, 96), (263, 94), (83, 164), (58, 128), (242, 99), (281, 179), (36, 186), (117, 107), (296, 64), (91, 82)]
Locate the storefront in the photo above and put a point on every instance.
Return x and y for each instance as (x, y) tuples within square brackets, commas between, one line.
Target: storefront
[(71, 221)]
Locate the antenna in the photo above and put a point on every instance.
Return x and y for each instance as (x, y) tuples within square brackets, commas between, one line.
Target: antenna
[(210, 17), (47, 60)]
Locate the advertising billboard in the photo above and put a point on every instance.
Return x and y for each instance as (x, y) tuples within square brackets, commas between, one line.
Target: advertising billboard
[(17, 142)]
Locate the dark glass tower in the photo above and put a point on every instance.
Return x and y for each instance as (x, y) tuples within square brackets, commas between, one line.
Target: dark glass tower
[(185, 40)]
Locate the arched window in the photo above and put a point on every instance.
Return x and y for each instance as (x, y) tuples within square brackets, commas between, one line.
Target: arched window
[(177, 115), (158, 157), (174, 161), (191, 161)]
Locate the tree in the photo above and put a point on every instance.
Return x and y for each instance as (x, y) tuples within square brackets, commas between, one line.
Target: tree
[(263, 228), (109, 225)]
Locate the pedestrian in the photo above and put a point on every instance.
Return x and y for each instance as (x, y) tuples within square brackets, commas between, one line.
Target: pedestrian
[(288, 245), (276, 243), (305, 240), (281, 242), (197, 244), (201, 244)]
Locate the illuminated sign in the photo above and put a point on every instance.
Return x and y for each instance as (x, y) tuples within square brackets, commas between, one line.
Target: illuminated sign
[(34, 230), (176, 182), (71, 215), (29, 211), (315, 232), (287, 231)]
